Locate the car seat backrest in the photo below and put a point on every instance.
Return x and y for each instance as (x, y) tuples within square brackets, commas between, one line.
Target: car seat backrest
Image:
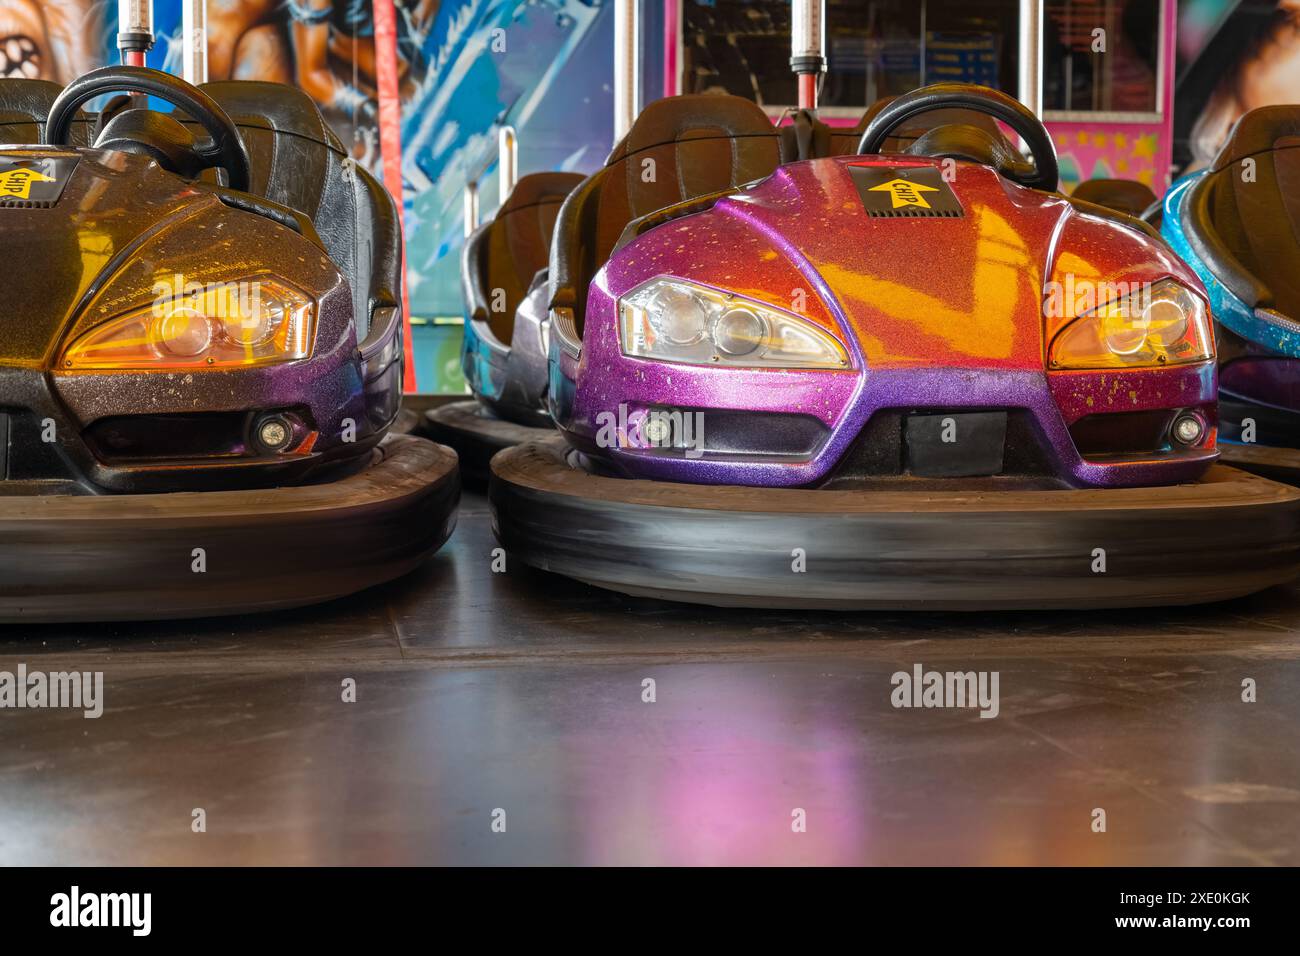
[(844, 142), (683, 147), (517, 244), (1246, 216), (24, 107), (289, 145), (1123, 195), (680, 148)]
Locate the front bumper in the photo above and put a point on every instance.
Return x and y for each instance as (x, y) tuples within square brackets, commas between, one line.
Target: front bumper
[(194, 554), (845, 403), (160, 432)]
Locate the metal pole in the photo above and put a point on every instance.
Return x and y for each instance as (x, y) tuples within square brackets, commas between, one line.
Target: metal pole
[(194, 30), (470, 208), (807, 46), (507, 161), (1031, 55), (134, 30), (627, 65), (672, 48)]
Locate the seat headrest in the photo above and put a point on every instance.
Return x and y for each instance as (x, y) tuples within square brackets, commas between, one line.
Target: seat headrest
[(274, 106), (844, 142), (24, 107), (537, 188), (26, 101), (1124, 195), (693, 116), (1259, 131), (970, 143)]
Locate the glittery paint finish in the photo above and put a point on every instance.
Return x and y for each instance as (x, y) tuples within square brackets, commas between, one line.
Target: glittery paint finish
[(936, 313)]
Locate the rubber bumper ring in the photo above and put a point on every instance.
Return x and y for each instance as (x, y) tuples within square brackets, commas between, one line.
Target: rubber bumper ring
[(133, 557), (1228, 535), (476, 434), (1279, 464)]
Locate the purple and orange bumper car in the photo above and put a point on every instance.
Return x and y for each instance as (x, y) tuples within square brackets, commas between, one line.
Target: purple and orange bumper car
[(907, 379)]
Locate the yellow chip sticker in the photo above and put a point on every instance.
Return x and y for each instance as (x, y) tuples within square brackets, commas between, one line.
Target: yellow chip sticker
[(915, 191), (28, 178), (17, 183), (904, 193)]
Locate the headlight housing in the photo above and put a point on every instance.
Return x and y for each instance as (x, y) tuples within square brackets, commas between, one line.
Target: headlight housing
[(1160, 324), (244, 323), (671, 320)]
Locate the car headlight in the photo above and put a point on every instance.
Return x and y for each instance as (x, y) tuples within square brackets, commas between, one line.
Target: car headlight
[(671, 320), (1160, 324), (260, 321)]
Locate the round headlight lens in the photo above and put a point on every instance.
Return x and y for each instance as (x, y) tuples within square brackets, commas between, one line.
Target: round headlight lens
[(250, 316), (184, 332), (738, 332), (254, 328), (1166, 321), (678, 316)]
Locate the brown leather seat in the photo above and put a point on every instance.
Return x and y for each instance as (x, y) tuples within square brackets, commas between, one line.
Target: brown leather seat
[(24, 106), (680, 148), (843, 142), (807, 137), (1123, 195), (1245, 228), (507, 252)]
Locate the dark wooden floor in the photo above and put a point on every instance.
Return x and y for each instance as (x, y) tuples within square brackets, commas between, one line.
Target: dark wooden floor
[(522, 692)]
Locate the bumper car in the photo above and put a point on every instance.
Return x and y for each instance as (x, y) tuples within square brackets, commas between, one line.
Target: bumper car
[(201, 367), (1236, 224), (876, 381), (503, 280)]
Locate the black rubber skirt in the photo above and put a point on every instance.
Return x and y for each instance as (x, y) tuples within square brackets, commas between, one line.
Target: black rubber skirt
[(477, 434), (1280, 464), (1228, 535), (194, 554)]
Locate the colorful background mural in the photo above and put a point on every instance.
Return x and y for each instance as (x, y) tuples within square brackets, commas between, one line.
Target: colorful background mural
[(543, 67)]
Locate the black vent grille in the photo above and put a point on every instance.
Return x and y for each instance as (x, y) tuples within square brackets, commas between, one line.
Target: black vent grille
[(26, 204), (914, 213)]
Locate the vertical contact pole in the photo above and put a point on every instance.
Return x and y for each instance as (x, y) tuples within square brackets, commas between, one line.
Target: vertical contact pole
[(507, 162), (672, 48), (1031, 56), (1165, 92), (194, 40), (627, 65), (807, 45), (134, 30), (390, 144), (469, 207)]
